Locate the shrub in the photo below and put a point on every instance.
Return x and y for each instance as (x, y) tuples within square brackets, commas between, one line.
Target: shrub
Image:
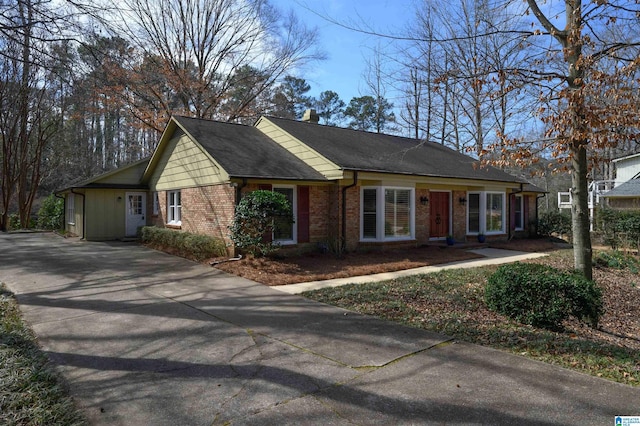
[(51, 213), (542, 296), (192, 246), (619, 228), (257, 215), (617, 260), (14, 222), (554, 222)]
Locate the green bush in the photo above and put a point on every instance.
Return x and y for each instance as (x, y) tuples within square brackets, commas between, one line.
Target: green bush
[(542, 296), (554, 222), (619, 228), (14, 222), (257, 215), (51, 213), (192, 246), (617, 260)]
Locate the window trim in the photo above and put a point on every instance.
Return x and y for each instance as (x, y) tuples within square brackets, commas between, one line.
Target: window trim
[(502, 229), (483, 213), (380, 214), (294, 208), (174, 210)]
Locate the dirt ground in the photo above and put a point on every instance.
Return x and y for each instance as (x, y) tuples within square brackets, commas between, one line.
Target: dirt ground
[(277, 270)]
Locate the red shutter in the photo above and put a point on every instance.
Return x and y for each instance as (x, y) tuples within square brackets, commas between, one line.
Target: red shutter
[(512, 211), (525, 212), (303, 214)]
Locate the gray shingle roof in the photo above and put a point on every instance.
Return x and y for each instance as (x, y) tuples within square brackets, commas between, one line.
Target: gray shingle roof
[(244, 151), (630, 188), (374, 152)]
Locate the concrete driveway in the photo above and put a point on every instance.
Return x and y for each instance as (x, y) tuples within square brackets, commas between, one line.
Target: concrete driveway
[(145, 338)]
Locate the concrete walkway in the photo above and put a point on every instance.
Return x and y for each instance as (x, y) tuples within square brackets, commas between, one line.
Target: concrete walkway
[(492, 256), (145, 338)]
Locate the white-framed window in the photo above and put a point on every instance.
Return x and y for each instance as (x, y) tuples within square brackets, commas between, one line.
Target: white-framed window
[(287, 233), (174, 208), (494, 221), (156, 203), (71, 209), (386, 213), (518, 213), (486, 212)]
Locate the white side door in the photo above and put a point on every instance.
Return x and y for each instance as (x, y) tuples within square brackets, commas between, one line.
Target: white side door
[(136, 206)]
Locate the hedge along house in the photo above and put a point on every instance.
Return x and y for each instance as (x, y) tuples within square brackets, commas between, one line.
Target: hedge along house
[(347, 187)]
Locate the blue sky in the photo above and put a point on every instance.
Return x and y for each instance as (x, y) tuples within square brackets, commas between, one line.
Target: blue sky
[(343, 69)]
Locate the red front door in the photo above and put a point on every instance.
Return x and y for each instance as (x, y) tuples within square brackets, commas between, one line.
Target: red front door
[(439, 213)]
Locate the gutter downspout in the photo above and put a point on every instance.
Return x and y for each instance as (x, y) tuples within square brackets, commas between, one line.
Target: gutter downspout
[(343, 243), (84, 215)]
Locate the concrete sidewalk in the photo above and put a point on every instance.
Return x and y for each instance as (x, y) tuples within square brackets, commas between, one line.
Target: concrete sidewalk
[(492, 256), (145, 338)]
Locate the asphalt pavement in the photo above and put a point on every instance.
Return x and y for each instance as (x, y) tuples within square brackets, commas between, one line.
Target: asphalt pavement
[(145, 338)]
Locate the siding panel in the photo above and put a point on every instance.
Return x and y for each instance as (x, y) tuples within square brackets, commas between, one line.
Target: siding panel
[(183, 164)]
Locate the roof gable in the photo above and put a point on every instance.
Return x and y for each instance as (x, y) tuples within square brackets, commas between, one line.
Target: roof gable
[(629, 189), (374, 152), (241, 151), (129, 176), (303, 151)]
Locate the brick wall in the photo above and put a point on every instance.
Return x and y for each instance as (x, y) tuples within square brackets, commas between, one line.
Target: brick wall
[(422, 217), (208, 210), (352, 217), (205, 210), (320, 213), (459, 216), (160, 218), (324, 218)]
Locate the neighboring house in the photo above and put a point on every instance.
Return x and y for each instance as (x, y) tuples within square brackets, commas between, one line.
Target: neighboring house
[(626, 196), (621, 193), (626, 193), (364, 189)]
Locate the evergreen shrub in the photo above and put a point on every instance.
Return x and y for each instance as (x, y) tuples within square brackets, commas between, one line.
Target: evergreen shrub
[(257, 215), (51, 213), (191, 246), (554, 222), (542, 296)]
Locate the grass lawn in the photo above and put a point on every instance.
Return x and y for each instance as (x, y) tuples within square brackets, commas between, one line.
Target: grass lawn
[(31, 392), (452, 302)]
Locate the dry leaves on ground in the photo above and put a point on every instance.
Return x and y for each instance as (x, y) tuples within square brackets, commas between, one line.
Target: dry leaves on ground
[(319, 266)]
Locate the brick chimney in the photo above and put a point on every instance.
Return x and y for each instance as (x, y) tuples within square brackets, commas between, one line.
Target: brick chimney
[(311, 116)]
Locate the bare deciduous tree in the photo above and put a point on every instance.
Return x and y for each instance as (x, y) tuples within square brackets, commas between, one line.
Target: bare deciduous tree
[(198, 47)]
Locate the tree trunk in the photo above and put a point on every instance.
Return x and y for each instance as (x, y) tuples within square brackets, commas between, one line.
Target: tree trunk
[(580, 221)]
